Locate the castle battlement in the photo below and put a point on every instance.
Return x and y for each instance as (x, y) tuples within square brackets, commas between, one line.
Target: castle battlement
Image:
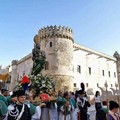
[(56, 31)]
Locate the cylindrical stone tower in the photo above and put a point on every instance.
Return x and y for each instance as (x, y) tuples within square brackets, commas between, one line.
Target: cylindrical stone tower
[(57, 42)]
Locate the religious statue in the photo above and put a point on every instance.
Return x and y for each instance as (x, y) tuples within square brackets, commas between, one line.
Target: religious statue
[(38, 59)]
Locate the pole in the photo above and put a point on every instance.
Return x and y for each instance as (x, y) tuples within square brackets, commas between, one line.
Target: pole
[(107, 108), (107, 98)]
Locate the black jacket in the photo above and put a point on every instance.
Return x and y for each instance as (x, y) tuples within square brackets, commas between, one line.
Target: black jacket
[(25, 116)]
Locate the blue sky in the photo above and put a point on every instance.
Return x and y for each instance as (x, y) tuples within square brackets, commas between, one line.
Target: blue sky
[(96, 24)]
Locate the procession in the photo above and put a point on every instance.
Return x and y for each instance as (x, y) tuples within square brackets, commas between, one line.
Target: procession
[(60, 60), (35, 98), (55, 106)]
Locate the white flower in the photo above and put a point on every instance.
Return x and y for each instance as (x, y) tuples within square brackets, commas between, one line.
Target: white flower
[(43, 82), (43, 85)]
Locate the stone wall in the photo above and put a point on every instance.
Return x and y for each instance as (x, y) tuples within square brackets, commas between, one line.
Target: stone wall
[(64, 83)]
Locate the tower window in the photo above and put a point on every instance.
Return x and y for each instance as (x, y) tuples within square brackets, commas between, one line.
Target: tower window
[(50, 44), (89, 68), (97, 85), (79, 69), (111, 85), (46, 66)]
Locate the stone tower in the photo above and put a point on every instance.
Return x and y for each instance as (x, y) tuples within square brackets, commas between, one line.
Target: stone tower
[(13, 74), (57, 42)]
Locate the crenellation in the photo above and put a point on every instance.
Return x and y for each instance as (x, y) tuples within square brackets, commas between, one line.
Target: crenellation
[(55, 27), (56, 31)]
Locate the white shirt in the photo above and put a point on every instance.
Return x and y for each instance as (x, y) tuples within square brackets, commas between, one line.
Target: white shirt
[(97, 99)]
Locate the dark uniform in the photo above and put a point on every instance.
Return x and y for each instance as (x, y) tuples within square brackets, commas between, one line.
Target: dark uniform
[(13, 114), (82, 105), (19, 111)]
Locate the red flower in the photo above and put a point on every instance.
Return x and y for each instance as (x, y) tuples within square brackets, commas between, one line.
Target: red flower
[(25, 80)]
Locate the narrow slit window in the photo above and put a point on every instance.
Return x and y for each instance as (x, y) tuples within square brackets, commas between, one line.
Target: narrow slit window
[(79, 69), (50, 44), (89, 69)]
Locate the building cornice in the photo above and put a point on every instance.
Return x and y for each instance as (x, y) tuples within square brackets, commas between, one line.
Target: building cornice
[(91, 51), (25, 58)]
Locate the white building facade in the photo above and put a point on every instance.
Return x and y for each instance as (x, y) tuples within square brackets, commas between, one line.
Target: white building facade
[(94, 69)]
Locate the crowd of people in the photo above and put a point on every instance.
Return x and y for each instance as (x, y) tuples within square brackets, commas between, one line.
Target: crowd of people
[(20, 105)]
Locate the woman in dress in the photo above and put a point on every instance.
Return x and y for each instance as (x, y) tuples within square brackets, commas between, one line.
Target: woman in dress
[(97, 100)]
